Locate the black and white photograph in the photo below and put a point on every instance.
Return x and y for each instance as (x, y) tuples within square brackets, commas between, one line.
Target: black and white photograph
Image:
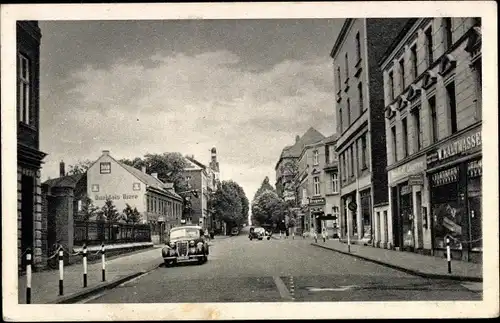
[(221, 161)]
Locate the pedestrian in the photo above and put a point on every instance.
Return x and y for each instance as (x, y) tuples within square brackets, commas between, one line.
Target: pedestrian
[(315, 234), (324, 235)]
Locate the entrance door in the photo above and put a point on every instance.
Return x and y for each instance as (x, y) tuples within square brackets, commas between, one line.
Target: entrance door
[(27, 208), (396, 231)]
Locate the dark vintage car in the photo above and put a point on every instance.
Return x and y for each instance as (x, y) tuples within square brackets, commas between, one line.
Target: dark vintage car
[(257, 233), (185, 244)]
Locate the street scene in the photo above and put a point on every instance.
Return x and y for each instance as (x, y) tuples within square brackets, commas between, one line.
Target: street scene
[(249, 161)]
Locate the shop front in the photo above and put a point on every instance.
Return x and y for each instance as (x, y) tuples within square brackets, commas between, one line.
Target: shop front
[(366, 215), (407, 185), (317, 211), (455, 174)]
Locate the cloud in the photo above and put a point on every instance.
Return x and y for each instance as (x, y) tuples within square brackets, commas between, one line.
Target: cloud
[(188, 104)]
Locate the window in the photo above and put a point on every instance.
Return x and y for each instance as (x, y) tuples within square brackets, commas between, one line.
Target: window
[(452, 106), (336, 212), (340, 121), (360, 97), (315, 157), (448, 33), (363, 152), (394, 143), (414, 63), (352, 160), (105, 168), (346, 67), (342, 166), (335, 183), (416, 128), (23, 88), (391, 86), (434, 124), (332, 153), (339, 82), (358, 48), (405, 137), (479, 89), (429, 46), (402, 73), (317, 190), (348, 112)]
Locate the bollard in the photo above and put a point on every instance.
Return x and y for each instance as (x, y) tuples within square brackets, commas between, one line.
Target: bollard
[(103, 251), (448, 254), (84, 265), (61, 271), (28, 277)]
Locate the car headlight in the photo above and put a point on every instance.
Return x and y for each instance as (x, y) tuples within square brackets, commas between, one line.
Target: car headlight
[(171, 244), (191, 243), (199, 245)]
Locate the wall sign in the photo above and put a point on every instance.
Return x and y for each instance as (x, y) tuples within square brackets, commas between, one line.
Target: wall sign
[(95, 187), (460, 146), (317, 201), (416, 180), (116, 197), (413, 167), (105, 168), (136, 186)]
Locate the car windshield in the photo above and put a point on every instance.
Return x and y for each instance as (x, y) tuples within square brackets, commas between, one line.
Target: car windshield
[(259, 230), (185, 233)]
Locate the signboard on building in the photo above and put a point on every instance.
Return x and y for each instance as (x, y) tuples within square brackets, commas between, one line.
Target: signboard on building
[(317, 201), (416, 180), (415, 166), (466, 144)]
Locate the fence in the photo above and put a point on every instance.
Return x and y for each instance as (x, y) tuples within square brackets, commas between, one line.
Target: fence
[(93, 232)]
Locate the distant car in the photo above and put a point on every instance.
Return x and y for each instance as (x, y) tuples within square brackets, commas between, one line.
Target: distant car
[(235, 231), (257, 233), (185, 244)]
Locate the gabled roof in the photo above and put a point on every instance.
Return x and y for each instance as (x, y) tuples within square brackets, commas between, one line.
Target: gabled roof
[(332, 139), (65, 181), (309, 137), (194, 161), (148, 179)]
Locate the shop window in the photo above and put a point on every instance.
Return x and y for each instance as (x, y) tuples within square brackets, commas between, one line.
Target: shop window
[(474, 196), (406, 215), (24, 88), (452, 106), (366, 214)]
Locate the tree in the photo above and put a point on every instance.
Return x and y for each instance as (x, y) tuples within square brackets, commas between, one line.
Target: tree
[(289, 171), (127, 212), (169, 167), (227, 203), (268, 208), (109, 211), (88, 211), (245, 204), (135, 216), (265, 186), (80, 167)]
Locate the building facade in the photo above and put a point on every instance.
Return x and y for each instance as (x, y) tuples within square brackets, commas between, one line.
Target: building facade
[(197, 179), (433, 90), (29, 156), (157, 202), (359, 108), (332, 186)]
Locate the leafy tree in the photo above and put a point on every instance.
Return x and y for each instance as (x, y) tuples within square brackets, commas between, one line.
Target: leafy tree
[(245, 204), (135, 216), (227, 203), (289, 171), (109, 211), (88, 211), (265, 186), (127, 212), (268, 208), (80, 167)]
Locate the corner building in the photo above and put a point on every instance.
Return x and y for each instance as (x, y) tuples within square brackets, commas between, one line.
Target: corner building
[(432, 78), (359, 102)]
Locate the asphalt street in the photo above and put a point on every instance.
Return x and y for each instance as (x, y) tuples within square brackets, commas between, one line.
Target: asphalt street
[(239, 270)]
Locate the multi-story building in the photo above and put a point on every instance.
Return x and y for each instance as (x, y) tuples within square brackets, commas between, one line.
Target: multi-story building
[(29, 156), (359, 98), (332, 186), (196, 177), (432, 77), (157, 202)]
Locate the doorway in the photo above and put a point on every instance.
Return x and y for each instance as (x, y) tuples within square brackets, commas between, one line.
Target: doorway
[(27, 208)]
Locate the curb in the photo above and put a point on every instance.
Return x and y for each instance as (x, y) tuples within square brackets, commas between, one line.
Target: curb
[(75, 297), (406, 270)]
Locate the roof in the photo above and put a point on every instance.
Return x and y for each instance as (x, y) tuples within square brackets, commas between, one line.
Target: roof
[(311, 136), (399, 37), (65, 181), (333, 138), (149, 180), (340, 37), (194, 161)]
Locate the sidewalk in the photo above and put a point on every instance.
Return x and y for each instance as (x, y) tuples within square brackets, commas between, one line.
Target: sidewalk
[(45, 284), (412, 263)]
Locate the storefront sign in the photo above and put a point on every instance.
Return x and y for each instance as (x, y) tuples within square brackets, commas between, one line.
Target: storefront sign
[(317, 201), (461, 146), (416, 180), (116, 197), (414, 167)]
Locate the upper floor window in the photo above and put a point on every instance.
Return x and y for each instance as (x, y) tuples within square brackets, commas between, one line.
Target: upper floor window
[(339, 82), (23, 89), (433, 119), (448, 33), (429, 46), (360, 97), (346, 67), (348, 112), (394, 143), (452, 106), (391, 86), (351, 150), (358, 47), (340, 121), (317, 190), (417, 131), (402, 73), (477, 71), (315, 157), (414, 64), (332, 154), (404, 125), (335, 183), (363, 152)]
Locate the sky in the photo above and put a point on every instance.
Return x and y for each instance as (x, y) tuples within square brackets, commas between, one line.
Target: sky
[(246, 87)]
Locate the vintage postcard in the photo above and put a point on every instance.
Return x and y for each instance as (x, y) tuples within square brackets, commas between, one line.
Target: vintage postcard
[(222, 161)]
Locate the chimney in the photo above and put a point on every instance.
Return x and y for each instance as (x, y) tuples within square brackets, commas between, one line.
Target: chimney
[(143, 168), (62, 171), (297, 138), (105, 152), (155, 175)]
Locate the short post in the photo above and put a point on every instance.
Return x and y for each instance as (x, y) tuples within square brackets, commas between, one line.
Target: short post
[(61, 271), (448, 254), (28, 277), (84, 265), (103, 252)]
